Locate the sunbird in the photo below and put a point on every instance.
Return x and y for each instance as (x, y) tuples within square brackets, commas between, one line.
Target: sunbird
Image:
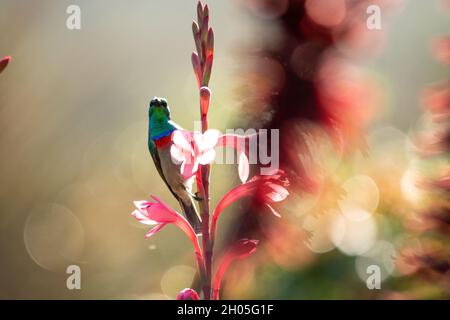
[(160, 130)]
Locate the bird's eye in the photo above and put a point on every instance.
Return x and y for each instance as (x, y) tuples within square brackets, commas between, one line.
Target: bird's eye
[(164, 103)]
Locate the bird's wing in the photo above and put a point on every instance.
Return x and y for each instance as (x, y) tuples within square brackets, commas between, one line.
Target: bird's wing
[(157, 161)]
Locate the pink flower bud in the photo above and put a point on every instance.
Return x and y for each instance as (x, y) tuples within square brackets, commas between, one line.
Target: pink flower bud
[(210, 43), (197, 68), (205, 98), (195, 28), (199, 11), (188, 294)]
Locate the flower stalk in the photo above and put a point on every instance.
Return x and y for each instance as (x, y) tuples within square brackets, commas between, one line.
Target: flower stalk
[(194, 152), (202, 61)]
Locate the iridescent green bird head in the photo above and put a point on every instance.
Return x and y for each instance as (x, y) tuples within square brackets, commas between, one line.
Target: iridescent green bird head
[(159, 110), (159, 118)]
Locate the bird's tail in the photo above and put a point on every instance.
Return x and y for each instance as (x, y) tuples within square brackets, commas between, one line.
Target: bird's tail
[(191, 213)]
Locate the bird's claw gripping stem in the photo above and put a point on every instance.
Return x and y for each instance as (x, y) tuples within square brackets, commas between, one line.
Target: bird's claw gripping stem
[(197, 197)]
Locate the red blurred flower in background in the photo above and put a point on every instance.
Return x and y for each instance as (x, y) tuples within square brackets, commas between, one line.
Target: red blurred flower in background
[(429, 254), (4, 62)]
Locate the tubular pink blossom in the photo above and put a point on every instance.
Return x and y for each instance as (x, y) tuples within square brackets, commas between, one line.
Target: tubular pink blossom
[(192, 149), (269, 188), (4, 62), (159, 214), (188, 294), (240, 250)]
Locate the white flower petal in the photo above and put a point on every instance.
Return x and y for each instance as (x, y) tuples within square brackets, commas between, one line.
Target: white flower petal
[(154, 230), (198, 138), (143, 218), (177, 154), (244, 167), (210, 139), (141, 204), (181, 139), (207, 157)]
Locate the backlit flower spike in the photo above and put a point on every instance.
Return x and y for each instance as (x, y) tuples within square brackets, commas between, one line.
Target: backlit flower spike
[(4, 62), (238, 251), (202, 60), (188, 294), (193, 148), (269, 189), (158, 214)]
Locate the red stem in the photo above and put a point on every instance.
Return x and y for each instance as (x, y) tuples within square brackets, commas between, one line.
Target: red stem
[(205, 205), (223, 266), (200, 30)]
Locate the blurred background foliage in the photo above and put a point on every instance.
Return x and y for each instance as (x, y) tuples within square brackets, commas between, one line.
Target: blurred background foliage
[(73, 119)]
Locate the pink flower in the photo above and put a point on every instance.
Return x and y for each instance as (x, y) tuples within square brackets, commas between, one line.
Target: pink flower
[(4, 62), (240, 250), (188, 294), (268, 189), (158, 214), (193, 148)]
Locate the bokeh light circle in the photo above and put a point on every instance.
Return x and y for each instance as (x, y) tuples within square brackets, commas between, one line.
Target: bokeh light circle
[(318, 227), (54, 237), (267, 9), (353, 237), (382, 254), (326, 13), (176, 279), (361, 197)]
